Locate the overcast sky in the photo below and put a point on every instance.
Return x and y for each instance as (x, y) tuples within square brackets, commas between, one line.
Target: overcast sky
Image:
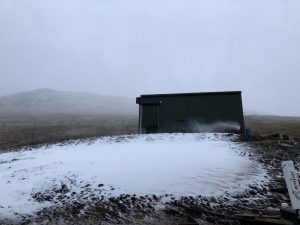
[(128, 48)]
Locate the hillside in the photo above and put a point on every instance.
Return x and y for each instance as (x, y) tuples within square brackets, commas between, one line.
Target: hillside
[(266, 124), (46, 116), (52, 102)]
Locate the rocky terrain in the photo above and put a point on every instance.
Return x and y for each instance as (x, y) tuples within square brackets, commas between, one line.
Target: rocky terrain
[(94, 203)]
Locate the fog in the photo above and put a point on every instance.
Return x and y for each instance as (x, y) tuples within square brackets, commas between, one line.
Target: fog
[(128, 48)]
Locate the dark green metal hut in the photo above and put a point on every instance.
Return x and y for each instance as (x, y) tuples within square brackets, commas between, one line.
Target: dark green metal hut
[(191, 112)]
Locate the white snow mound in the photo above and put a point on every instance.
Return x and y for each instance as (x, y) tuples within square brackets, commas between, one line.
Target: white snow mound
[(177, 164)]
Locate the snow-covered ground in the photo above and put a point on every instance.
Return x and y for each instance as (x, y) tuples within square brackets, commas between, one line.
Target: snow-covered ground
[(177, 164)]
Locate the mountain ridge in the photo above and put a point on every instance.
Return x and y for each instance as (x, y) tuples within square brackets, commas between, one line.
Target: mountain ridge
[(51, 102)]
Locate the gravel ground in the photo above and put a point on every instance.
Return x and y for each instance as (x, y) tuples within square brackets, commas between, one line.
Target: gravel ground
[(152, 209)]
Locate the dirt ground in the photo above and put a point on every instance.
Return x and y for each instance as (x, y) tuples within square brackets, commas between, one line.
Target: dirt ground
[(131, 209)]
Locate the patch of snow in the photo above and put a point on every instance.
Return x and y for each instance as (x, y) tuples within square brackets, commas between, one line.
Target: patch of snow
[(176, 164)]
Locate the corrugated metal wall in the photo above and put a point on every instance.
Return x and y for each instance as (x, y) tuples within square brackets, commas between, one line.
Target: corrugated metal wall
[(179, 112)]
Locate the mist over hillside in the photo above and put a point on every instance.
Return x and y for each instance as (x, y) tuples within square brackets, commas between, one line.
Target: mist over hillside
[(43, 102)]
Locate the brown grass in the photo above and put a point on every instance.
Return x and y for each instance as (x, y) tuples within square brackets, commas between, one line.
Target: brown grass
[(21, 131), (265, 125)]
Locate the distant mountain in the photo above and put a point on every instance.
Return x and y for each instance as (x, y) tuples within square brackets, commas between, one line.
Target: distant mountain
[(51, 102)]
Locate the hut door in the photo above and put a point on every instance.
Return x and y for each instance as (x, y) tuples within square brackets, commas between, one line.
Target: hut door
[(151, 118)]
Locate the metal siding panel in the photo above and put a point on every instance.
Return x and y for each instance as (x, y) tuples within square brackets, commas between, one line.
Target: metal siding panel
[(174, 111)]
